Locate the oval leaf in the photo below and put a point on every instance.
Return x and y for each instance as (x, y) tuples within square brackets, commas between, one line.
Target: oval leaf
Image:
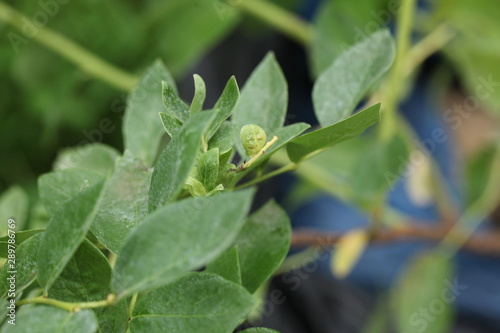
[(177, 160), (65, 232), (198, 302), (341, 87), (309, 144), (142, 131), (45, 319), (177, 238)]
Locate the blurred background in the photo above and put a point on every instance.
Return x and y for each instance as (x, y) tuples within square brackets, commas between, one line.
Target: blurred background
[(49, 101)]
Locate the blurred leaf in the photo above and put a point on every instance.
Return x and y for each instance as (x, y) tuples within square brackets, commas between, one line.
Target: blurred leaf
[(58, 187), (24, 266), (224, 106), (263, 243), (44, 319), (177, 160), (422, 299), (193, 304), (348, 250), (227, 265), (21, 236), (388, 160), (182, 30), (477, 174), (341, 23), (141, 129), (314, 142), (65, 232), (263, 100), (259, 330), (123, 203), (167, 239), (340, 88), (86, 278), (174, 105), (13, 205), (96, 157), (475, 58), (200, 92)]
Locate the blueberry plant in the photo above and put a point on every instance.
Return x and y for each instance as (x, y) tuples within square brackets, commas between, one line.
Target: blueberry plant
[(161, 237), (164, 236)]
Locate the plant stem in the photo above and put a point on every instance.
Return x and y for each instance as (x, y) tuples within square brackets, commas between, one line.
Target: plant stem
[(429, 45), (477, 211), (284, 21), (73, 307), (132, 305), (70, 50), (393, 89), (283, 169)]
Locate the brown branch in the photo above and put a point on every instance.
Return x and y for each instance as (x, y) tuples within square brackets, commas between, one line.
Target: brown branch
[(485, 243)]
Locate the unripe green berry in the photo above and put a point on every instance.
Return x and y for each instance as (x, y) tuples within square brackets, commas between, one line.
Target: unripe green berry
[(253, 138)]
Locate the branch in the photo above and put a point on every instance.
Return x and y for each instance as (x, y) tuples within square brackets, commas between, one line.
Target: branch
[(481, 243), (72, 307), (284, 21), (70, 50)]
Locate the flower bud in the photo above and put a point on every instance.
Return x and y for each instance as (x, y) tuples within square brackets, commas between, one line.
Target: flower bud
[(253, 138)]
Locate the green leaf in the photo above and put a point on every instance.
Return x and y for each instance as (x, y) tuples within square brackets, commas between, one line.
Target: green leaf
[(123, 203), (477, 173), (312, 143), (142, 131), (173, 103), (341, 23), (339, 89), (389, 161), (224, 138), (224, 106), (475, 59), (263, 243), (170, 124), (258, 330), (198, 302), (425, 285), (13, 205), (227, 265), (200, 92), (57, 188), (45, 319), (177, 238), (177, 160), (24, 265), (97, 157), (263, 100), (65, 232), (21, 236), (208, 168), (183, 30), (86, 278)]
